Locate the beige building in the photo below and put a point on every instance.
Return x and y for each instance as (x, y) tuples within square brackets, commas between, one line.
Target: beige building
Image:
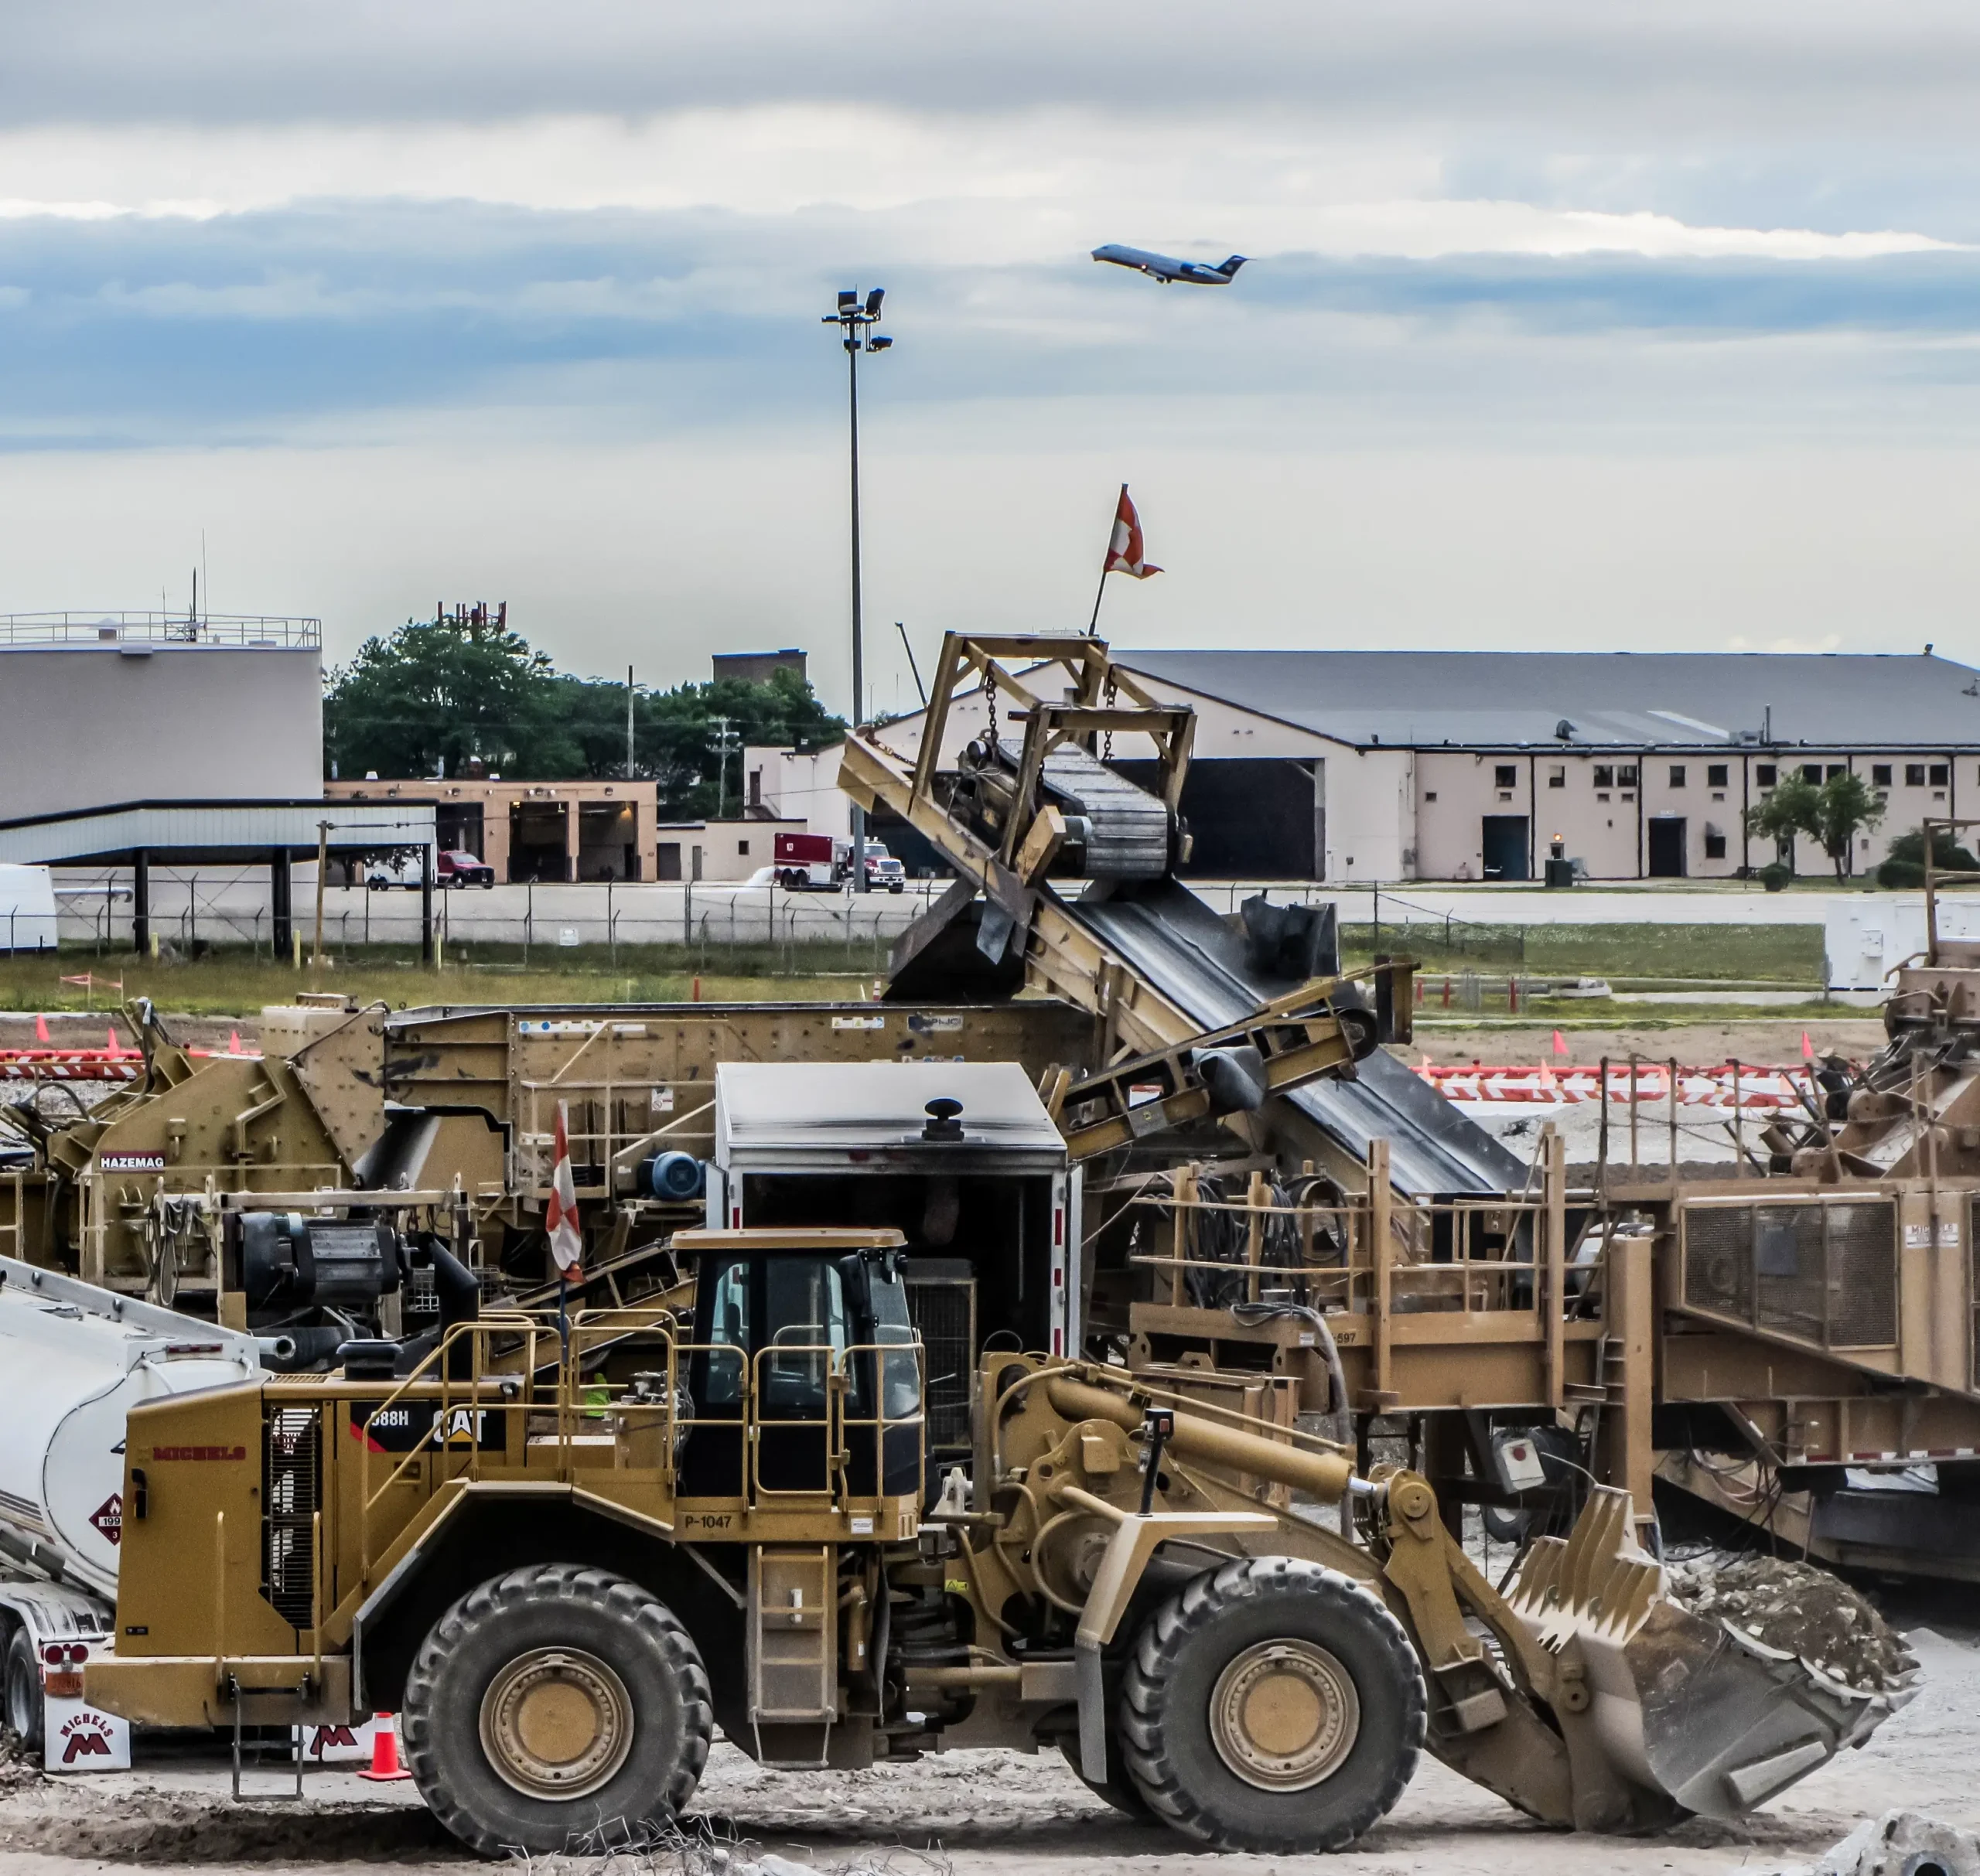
[(726, 851), (560, 831), (1471, 765), (1348, 766), (572, 832)]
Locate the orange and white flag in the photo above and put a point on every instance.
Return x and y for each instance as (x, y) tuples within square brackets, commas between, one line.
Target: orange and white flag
[(1125, 553), (560, 1217)]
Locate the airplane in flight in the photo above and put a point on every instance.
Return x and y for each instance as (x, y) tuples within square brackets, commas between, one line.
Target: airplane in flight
[(1164, 268)]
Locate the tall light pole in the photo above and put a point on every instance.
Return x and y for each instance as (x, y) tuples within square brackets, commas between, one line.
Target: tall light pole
[(855, 323)]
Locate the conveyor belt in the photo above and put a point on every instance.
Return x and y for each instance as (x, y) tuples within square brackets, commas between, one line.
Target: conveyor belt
[(1127, 835), (1170, 938)]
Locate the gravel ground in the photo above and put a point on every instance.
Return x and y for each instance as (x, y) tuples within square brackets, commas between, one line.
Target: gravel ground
[(972, 1814)]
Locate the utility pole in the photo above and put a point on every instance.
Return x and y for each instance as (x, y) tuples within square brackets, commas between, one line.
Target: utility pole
[(323, 868), (725, 745), (855, 323), (629, 723)]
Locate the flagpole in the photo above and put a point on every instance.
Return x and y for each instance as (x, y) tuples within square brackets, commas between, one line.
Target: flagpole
[(1093, 625)]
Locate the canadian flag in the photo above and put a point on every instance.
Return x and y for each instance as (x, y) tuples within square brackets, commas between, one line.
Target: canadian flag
[(560, 1217), (1124, 551)]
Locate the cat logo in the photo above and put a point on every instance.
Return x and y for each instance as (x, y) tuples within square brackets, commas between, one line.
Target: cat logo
[(463, 1427)]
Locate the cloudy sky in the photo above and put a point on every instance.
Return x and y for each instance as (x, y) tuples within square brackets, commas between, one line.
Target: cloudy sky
[(1566, 324)]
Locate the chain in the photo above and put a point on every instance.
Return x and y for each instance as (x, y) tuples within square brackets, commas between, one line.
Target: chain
[(1112, 691), (990, 695)]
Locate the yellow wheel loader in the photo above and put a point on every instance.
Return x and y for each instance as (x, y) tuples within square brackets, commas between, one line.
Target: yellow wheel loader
[(565, 1549)]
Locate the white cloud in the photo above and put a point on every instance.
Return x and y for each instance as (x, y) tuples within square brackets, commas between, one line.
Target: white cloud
[(1803, 645), (1318, 464), (1039, 187)]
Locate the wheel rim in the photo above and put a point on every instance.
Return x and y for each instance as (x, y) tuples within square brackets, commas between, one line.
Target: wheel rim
[(1284, 1715), (556, 1722)]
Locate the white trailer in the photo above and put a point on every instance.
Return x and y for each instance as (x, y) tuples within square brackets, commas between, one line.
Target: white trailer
[(76, 1360)]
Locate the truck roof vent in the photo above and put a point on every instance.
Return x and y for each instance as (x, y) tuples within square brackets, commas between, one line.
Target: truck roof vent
[(942, 1123)]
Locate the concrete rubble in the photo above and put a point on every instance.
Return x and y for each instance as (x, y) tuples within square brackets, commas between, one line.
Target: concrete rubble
[(1899, 1844), (1798, 1607)]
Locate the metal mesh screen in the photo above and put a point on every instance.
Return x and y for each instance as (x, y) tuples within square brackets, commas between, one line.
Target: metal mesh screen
[(1718, 1246), (1824, 1273), (1787, 1270), (1862, 1276), (943, 1313), (292, 1494)]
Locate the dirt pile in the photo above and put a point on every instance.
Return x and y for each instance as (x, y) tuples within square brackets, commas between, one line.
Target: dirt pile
[(77, 1818), (17, 1767), (1800, 1609)]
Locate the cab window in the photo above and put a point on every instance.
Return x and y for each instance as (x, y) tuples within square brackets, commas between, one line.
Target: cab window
[(729, 1329), (900, 1376), (804, 1304)]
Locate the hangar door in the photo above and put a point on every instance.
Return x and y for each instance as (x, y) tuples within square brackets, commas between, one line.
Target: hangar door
[(1252, 817)]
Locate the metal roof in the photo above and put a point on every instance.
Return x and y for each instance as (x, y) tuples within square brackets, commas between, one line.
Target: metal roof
[(782, 1113), (1632, 700), (179, 832)]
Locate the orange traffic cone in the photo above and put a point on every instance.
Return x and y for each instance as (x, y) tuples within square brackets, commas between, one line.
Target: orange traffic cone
[(234, 1042), (385, 1766), (41, 1028)]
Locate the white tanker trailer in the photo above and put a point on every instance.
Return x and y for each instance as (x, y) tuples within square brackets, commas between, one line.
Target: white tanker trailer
[(74, 1360)]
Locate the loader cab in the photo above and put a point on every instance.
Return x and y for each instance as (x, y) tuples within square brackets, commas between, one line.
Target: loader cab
[(803, 1376), (959, 1160)]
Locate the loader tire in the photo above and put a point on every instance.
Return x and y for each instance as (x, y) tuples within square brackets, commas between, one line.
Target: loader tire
[(555, 1709), (1275, 1707), (21, 1674)]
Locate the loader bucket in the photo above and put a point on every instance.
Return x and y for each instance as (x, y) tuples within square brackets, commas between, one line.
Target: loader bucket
[(1689, 1710)]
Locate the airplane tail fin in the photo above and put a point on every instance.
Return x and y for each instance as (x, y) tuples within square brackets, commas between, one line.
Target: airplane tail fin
[(1231, 266)]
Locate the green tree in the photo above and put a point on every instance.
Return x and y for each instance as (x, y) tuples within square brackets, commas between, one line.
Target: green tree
[(457, 691), (442, 689), (1832, 813), (1904, 863), (679, 732)]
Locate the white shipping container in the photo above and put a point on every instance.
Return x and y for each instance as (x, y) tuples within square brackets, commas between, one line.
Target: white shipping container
[(27, 908)]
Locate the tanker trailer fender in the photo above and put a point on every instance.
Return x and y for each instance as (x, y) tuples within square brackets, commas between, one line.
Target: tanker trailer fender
[(48, 1632)]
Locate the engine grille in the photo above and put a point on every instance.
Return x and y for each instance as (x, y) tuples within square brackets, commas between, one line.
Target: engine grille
[(942, 1310), (291, 1495)]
